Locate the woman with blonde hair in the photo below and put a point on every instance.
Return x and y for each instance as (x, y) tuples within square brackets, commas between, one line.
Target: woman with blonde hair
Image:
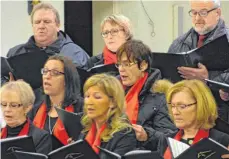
[(17, 98), (116, 29), (193, 110), (103, 119)]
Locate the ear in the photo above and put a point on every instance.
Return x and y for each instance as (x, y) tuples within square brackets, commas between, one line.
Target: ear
[(143, 66), (219, 11), (112, 105), (28, 108)]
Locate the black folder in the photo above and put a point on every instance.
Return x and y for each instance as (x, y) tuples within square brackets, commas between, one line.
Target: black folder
[(21, 143), (222, 126), (26, 66), (214, 55), (29, 155), (214, 85), (79, 149), (85, 74), (71, 121), (205, 148), (135, 154)]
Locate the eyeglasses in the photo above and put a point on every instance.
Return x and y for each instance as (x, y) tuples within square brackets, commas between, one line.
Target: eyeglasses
[(125, 64), (202, 13), (44, 71), (113, 32), (45, 22), (180, 107), (11, 105)]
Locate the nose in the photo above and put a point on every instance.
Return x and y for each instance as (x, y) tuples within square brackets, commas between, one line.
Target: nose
[(175, 111), (198, 16)]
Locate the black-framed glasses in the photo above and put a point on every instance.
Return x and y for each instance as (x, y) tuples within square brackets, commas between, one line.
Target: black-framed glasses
[(202, 12), (125, 64), (180, 107), (11, 105), (44, 71), (113, 32)]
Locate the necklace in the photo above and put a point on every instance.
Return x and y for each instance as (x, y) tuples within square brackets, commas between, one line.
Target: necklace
[(50, 127)]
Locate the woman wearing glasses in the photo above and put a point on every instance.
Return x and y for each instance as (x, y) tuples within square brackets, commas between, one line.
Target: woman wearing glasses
[(193, 109), (115, 30), (62, 89), (147, 111), (17, 98)]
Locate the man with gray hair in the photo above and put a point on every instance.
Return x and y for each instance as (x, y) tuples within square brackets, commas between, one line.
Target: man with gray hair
[(47, 36), (207, 25)]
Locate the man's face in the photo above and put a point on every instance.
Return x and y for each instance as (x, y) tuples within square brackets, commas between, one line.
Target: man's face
[(45, 28), (204, 24)]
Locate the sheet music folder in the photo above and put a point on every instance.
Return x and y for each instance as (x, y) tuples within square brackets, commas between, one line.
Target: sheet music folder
[(214, 55), (26, 66), (135, 154), (77, 150), (71, 121), (205, 148), (21, 143), (217, 85)]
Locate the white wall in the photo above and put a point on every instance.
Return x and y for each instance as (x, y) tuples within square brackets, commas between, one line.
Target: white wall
[(15, 23), (16, 27)]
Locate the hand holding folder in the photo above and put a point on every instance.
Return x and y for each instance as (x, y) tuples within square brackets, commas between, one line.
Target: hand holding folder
[(214, 55), (77, 150), (135, 154), (71, 121), (217, 85), (26, 66), (205, 148)]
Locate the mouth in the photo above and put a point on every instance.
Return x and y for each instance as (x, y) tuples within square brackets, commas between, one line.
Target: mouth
[(7, 117), (123, 77), (89, 110), (47, 84)]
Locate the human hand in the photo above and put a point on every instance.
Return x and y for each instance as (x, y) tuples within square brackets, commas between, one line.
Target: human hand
[(224, 95), (194, 73), (11, 77), (70, 140), (226, 155), (140, 132)]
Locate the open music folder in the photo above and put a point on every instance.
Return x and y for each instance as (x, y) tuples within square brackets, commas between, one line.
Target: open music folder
[(135, 154), (26, 66), (214, 55), (207, 148)]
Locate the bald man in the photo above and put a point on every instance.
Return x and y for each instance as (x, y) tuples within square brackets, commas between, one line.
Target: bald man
[(207, 25)]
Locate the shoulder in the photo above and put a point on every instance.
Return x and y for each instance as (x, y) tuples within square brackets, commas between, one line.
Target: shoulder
[(16, 50), (219, 136), (38, 134)]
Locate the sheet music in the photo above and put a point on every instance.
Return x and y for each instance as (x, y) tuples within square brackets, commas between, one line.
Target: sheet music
[(177, 147)]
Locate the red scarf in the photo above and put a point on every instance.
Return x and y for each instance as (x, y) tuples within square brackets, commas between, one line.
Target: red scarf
[(200, 135), (109, 57), (132, 103), (93, 137), (59, 131), (24, 131)]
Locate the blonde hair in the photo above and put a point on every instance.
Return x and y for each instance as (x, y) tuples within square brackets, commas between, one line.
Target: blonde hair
[(23, 90), (45, 6), (115, 118), (206, 104), (120, 20)]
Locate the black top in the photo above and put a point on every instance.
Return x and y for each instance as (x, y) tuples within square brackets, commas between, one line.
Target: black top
[(12, 132)]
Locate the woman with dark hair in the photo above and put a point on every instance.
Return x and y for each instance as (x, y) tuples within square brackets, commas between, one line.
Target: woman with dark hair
[(146, 110), (61, 86)]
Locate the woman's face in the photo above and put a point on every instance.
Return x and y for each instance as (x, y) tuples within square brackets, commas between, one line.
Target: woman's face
[(53, 78), (184, 109), (115, 36), (97, 104), (13, 111)]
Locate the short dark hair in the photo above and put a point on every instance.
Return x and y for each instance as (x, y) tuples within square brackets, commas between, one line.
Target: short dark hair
[(135, 50), (71, 77)]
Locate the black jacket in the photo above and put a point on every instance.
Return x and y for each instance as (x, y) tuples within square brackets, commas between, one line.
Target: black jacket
[(95, 60), (41, 138), (216, 135), (188, 41), (153, 113), (121, 143)]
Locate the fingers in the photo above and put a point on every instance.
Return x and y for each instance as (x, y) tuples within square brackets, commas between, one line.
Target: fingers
[(11, 77), (141, 134), (224, 95), (70, 140)]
